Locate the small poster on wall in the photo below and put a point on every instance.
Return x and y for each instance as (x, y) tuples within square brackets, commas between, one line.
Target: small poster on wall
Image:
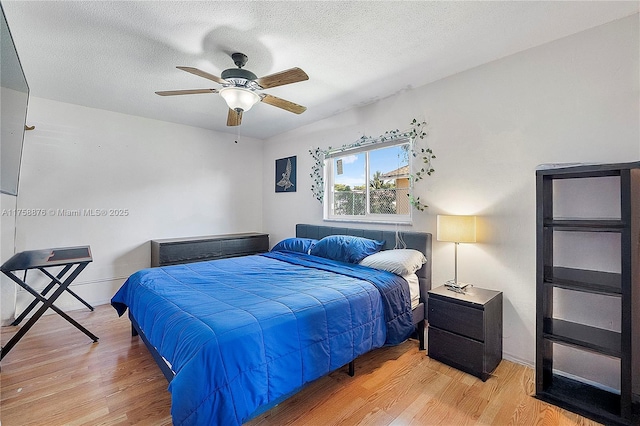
[(286, 174)]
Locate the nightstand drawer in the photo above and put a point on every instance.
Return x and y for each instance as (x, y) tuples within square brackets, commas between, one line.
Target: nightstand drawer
[(460, 352), (456, 318)]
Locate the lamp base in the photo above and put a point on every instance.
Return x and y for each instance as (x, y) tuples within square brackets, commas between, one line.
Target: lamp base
[(456, 286)]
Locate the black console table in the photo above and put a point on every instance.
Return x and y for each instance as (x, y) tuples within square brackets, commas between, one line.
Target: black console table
[(72, 260), (172, 251)]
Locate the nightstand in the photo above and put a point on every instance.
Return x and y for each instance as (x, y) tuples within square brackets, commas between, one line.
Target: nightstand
[(465, 330)]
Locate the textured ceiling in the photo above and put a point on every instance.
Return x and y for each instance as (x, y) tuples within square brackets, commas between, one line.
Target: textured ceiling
[(115, 55)]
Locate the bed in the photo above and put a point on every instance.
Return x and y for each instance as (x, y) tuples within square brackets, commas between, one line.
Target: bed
[(236, 336)]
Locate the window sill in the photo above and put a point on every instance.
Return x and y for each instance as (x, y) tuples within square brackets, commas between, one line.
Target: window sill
[(369, 221)]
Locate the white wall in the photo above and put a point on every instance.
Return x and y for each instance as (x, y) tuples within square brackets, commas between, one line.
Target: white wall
[(572, 100), (172, 180), (7, 240)]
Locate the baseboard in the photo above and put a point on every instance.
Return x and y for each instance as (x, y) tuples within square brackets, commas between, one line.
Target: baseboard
[(518, 360)]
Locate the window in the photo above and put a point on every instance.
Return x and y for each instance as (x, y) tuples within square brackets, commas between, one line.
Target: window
[(369, 183)]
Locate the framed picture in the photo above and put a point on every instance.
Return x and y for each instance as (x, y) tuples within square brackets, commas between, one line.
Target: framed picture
[(286, 174)]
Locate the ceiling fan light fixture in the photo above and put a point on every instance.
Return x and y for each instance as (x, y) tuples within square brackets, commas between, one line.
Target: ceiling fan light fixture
[(238, 98)]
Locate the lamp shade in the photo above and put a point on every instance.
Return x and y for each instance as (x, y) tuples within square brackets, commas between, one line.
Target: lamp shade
[(238, 98), (456, 229)]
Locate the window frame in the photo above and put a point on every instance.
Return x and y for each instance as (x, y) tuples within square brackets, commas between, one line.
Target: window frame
[(368, 217)]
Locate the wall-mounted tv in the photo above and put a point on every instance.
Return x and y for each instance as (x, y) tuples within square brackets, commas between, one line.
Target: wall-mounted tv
[(14, 98)]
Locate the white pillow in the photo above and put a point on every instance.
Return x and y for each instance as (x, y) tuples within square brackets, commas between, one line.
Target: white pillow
[(399, 261), (414, 289)]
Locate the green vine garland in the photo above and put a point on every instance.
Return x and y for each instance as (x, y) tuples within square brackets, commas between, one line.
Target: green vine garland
[(416, 131)]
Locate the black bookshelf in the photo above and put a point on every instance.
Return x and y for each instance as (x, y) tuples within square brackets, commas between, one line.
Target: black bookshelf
[(582, 336), (588, 399), (582, 398), (597, 282), (586, 225)]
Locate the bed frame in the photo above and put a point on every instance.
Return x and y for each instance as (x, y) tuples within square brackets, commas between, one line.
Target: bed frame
[(414, 240)]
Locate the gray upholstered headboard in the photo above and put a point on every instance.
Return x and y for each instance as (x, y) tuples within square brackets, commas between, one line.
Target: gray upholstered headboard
[(414, 240)]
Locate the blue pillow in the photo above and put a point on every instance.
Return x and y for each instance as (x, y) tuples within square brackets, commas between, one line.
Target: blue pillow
[(346, 248), (302, 245)]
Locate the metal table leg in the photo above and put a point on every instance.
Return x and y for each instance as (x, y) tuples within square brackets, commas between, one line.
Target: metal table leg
[(47, 303), (44, 292)]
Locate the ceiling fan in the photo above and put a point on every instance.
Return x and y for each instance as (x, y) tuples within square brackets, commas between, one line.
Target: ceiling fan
[(240, 86)]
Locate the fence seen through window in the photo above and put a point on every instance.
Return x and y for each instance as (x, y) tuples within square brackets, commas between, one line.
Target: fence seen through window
[(371, 183)]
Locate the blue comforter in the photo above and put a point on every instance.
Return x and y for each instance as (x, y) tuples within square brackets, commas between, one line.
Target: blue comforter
[(242, 333)]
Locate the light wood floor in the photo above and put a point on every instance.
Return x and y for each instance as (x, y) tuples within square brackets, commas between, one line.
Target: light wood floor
[(57, 376)]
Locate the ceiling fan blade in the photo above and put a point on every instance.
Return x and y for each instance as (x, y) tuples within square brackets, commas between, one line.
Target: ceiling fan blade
[(201, 73), (281, 78), (185, 92), (234, 118), (281, 103)]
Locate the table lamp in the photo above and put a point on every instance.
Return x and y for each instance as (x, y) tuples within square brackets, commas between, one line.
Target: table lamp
[(456, 229)]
